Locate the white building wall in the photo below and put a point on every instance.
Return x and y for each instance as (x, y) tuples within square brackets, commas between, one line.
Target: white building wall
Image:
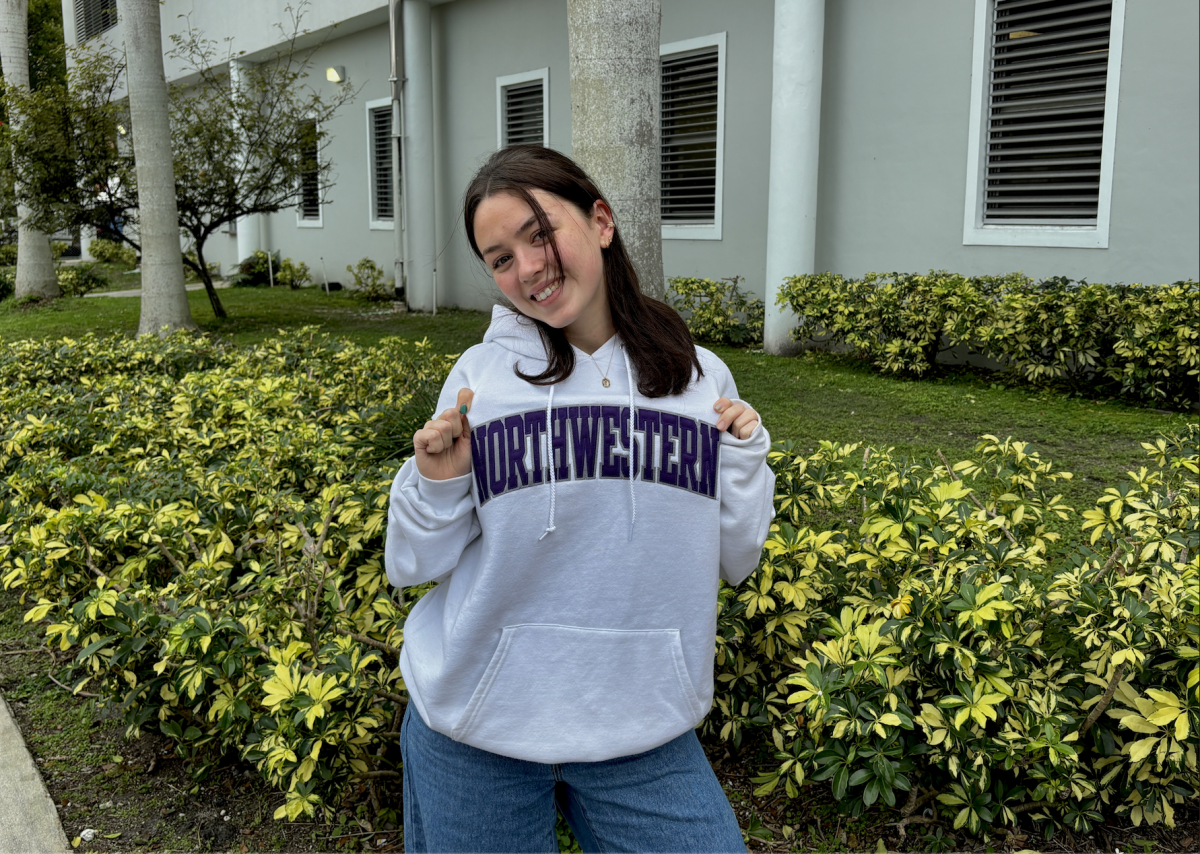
[(894, 120)]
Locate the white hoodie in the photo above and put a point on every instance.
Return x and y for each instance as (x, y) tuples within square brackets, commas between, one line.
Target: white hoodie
[(576, 610)]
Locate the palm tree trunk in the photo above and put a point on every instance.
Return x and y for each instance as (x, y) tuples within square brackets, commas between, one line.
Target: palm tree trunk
[(164, 299), (615, 116), (35, 265)]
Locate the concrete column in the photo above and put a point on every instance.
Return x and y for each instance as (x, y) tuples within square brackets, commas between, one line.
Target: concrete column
[(249, 228), (795, 137), (418, 147)]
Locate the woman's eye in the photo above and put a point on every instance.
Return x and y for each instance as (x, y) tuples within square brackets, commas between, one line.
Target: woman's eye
[(539, 235), (499, 262)]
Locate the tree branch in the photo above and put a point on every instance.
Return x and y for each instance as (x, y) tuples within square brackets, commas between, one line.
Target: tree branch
[(380, 645), (1105, 699)]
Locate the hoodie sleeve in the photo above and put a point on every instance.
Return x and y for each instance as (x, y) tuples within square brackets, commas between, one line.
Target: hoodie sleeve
[(747, 490), (430, 522)]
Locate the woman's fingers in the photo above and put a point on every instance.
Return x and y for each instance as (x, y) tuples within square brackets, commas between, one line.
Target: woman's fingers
[(729, 412), (745, 423), (737, 418), (442, 446)]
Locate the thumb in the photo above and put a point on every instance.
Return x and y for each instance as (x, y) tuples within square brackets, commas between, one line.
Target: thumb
[(465, 398)]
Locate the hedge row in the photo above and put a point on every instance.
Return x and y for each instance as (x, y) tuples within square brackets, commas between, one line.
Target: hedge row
[(1138, 341), (203, 527)]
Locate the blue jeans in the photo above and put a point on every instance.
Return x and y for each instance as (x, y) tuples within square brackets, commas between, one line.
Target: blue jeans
[(461, 798)]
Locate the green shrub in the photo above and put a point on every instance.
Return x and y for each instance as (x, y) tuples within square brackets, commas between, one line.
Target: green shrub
[(1139, 341), (916, 634), (202, 528), (256, 270), (221, 516), (293, 274), (79, 279), (111, 252), (718, 312), (57, 248), (369, 283), (8, 281)]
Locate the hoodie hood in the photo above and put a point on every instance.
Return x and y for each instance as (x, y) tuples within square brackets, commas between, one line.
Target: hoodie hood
[(515, 332)]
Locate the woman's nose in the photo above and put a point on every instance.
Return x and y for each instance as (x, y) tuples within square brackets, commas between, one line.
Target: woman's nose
[(530, 263)]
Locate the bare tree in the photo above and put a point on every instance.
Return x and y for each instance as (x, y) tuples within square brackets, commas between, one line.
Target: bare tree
[(615, 117), (35, 265), (252, 148)]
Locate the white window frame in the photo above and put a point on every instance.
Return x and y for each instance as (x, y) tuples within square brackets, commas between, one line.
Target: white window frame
[(503, 83), (378, 224), (975, 233), (319, 222), (705, 231)]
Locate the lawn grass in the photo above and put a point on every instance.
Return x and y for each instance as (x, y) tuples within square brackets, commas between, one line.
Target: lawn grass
[(808, 398)]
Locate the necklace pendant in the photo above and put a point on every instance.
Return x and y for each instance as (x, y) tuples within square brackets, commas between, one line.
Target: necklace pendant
[(605, 382)]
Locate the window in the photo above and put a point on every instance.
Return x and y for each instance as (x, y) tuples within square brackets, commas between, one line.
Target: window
[(309, 211), (380, 144), (693, 110), (92, 17), (1044, 111), (523, 108)]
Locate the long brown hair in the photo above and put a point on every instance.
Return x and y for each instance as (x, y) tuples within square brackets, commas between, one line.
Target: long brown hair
[(656, 339)]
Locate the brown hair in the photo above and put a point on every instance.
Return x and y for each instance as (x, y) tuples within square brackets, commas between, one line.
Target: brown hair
[(656, 339)]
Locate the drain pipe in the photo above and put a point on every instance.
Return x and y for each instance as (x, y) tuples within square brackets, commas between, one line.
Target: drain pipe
[(399, 160)]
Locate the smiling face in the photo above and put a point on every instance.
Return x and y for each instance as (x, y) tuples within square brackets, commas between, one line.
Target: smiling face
[(518, 255)]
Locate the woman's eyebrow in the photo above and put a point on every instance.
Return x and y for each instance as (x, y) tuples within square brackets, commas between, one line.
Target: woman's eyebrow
[(524, 227)]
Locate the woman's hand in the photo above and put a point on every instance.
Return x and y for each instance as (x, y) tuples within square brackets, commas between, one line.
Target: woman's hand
[(739, 419), (443, 446)]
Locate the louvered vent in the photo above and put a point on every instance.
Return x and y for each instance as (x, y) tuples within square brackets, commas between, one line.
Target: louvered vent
[(689, 137), (310, 178), (92, 17), (1049, 73), (381, 163), (523, 114)]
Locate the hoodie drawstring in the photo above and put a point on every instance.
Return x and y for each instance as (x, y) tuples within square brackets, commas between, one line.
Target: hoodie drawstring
[(550, 461), (632, 445), (549, 456)]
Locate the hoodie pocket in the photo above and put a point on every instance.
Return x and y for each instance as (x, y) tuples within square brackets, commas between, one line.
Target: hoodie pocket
[(568, 694)]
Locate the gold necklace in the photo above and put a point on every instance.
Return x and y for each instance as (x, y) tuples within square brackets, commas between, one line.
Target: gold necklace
[(604, 381)]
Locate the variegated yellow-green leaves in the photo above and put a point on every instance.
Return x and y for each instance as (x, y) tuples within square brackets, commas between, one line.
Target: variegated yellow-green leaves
[(925, 631), (718, 312), (1139, 341), (202, 526)]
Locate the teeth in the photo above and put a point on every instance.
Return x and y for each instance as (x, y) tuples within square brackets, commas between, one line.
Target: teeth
[(545, 292)]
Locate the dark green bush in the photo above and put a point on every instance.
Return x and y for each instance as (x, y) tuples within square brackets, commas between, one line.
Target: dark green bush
[(8, 281), (8, 255), (1137, 341), (255, 271)]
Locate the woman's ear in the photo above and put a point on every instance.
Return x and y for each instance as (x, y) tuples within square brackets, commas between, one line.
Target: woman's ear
[(602, 216)]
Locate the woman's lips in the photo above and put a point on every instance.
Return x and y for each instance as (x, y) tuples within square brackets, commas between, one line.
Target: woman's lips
[(548, 291)]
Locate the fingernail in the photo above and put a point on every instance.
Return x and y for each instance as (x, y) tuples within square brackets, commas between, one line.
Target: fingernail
[(720, 425), (463, 409), (719, 408)]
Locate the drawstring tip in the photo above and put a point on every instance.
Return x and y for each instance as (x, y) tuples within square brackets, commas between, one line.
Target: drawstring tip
[(631, 533), (551, 528)]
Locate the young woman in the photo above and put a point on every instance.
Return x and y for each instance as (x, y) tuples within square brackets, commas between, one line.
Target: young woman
[(591, 475)]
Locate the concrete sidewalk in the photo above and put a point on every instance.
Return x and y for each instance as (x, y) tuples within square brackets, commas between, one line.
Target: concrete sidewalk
[(28, 820), (137, 292)]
